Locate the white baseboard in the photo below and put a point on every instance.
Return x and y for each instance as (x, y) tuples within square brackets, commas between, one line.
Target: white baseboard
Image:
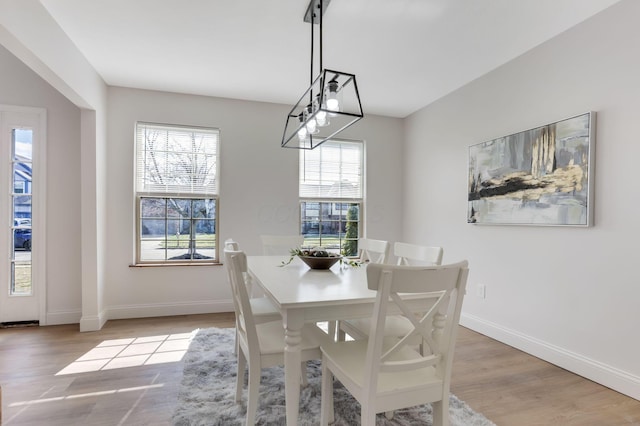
[(63, 317), (168, 309), (95, 323), (604, 374)]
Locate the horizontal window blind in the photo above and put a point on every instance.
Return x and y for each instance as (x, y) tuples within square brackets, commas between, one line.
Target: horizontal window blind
[(332, 171), (177, 160)]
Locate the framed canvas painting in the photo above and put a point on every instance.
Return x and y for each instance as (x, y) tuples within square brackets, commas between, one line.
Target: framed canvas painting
[(541, 176)]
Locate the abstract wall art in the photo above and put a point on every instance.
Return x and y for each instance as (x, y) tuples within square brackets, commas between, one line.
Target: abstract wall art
[(542, 176)]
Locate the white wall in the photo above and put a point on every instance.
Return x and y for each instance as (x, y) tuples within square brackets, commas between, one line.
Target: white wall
[(22, 87), (567, 295), (258, 193), (29, 32)]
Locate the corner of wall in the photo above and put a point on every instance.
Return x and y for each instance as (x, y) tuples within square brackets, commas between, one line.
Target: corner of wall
[(93, 323)]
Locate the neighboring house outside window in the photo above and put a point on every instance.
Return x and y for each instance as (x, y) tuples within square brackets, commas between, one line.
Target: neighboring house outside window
[(176, 194), (331, 196)]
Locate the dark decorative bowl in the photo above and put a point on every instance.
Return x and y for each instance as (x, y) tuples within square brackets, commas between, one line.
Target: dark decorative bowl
[(320, 262)]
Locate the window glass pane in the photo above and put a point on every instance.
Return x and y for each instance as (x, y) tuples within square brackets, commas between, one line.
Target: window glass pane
[(310, 211), (204, 253), (153, 207), (205, 227), (310, 228), (21, 282), (325, 211), (352, 230), (152, 250), (205, 240), (22, 208), (153, 228), (22, 145), (311, 240), (353, 211), (204, 209), (22, 178), (176, 228), (178, 207), (22, 239)]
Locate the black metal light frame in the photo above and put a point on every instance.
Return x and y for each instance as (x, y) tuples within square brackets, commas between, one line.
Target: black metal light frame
[(312, 105)]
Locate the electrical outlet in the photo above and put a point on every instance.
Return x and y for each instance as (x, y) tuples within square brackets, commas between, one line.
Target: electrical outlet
[(481, 291)]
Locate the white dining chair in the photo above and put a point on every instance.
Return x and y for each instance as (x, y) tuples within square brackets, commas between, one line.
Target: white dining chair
[(262, 308), (417, 255), (261, 345), (386, 374), (276, 245), (369, 251), (396, 325)]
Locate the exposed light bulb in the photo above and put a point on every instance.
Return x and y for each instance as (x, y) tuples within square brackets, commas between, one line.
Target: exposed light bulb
[(321, 116), (312, 126), (332, 96), (302, 132), (311, 121)]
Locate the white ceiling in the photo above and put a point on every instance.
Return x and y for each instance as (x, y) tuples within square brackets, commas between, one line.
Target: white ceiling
[(405, 53)]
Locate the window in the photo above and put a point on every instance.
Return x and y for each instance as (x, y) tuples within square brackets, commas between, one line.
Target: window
[(22, 166), (176, 193), (23, 184), (331, 194)]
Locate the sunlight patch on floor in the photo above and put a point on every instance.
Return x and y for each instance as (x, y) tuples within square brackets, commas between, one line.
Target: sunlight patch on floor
[(131, 352), (83, 395)]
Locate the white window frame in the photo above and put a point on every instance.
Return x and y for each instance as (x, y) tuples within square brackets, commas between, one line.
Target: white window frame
[(183, 185), (35, 118), (314, 188)]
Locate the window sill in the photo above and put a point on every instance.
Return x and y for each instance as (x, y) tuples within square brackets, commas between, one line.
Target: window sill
[(147, 265)]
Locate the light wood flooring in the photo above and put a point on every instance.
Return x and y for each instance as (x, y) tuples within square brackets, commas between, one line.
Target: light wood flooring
[(505, 384)]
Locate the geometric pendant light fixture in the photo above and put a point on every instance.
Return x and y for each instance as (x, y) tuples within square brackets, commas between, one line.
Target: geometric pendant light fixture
[(329, 105)]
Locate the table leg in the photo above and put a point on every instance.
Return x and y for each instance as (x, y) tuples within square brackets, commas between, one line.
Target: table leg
[(293, 322)]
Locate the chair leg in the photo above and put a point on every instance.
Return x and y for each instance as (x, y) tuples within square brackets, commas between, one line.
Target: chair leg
[(367, 416), (342, 336), (326, 401), (254, 388), (440, 411), (242, 364), (303, 373), (235, 344), (331, 327)]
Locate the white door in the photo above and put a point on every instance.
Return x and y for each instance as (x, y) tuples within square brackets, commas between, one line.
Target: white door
[(22, 292)]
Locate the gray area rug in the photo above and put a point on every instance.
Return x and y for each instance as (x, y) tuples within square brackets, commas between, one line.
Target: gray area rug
[(206, 395)]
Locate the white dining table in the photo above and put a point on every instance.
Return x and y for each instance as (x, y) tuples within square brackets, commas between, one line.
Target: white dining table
[(306, 295)]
